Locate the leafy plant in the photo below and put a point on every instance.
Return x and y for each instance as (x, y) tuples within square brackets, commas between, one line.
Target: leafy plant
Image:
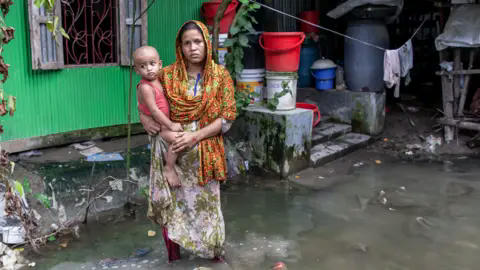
[(241, 26), (52, 21)]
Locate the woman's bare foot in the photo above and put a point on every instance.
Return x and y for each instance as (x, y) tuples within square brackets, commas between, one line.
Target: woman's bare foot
[(172, 177)]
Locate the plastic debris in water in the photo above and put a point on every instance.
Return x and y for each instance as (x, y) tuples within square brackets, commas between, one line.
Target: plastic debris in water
[(280, 266)]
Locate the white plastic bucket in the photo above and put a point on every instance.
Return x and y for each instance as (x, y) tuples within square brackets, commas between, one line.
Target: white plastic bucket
[(252, 80), (13, 234), (274, 85)]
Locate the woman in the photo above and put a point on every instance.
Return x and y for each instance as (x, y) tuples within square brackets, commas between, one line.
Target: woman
[(201, 97)]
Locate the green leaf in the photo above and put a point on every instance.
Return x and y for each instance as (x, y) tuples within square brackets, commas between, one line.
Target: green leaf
[(50, 26), (39, 3), (256, 6), (43, 199), (19, 188), (243, 40), (229, 42), (64, 34), (55, 23), (238, 66), (51, 238), (51, 4), (26, 186), (253, 20), (249, 27), (242, 21), (234, 29), (245, 2), (238, 53)]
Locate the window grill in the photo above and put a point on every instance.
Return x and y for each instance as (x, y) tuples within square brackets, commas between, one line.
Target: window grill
[(92, 27)]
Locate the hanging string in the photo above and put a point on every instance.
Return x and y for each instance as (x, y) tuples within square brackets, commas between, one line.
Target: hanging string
[(418, 29), (332, 31)]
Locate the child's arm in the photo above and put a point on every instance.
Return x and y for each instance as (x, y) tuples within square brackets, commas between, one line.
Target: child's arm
[(149, 99)]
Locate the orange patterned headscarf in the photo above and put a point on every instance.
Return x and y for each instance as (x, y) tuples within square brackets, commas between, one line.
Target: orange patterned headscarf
[(216, 101)]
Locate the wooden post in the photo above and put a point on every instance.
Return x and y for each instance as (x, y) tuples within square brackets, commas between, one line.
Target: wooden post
[(457, 65), (466, 84), (448, 99)]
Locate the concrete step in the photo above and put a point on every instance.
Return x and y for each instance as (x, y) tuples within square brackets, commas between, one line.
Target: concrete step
[(328, 131), (336, 148)]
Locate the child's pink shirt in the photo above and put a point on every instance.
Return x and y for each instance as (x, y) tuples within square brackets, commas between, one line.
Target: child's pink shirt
[(160, 100)]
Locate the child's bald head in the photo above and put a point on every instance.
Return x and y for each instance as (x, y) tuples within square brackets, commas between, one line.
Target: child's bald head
[(145, 52)]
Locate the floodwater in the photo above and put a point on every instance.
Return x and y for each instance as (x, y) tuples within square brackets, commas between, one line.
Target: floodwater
[(396, 215)]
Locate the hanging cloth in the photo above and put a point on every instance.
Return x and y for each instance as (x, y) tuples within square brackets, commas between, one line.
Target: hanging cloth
[(406, 60), (391, 70)]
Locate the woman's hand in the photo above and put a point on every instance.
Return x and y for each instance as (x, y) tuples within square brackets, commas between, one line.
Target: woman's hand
[(150, 125), (185, 140)]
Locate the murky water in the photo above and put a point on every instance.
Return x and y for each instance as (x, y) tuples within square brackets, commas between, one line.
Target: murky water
[(390, 216)]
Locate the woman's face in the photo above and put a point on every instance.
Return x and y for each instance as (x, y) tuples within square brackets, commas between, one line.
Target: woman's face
[(193, 46)]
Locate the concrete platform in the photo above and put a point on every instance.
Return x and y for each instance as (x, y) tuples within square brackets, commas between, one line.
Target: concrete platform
[(277, 141), (365, 111), (338, 147)]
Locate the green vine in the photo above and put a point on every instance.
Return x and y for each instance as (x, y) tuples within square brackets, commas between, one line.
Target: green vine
[(241, 26), (272, 103)]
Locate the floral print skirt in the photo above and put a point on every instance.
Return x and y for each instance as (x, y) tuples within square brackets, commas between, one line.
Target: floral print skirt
[(191, 213)]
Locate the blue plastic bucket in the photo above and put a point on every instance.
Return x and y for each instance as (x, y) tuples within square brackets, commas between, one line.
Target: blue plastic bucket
[(324, 78)]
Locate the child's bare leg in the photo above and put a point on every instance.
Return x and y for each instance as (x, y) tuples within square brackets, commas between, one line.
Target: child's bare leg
[(170, 172), (170, 159)]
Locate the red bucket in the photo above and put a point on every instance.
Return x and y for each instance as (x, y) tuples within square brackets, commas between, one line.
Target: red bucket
[(282, 50), (314, 108), (209, 9), (310, 16)]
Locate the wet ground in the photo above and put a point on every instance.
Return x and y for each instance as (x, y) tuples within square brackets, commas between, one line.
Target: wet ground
[(388, 215)]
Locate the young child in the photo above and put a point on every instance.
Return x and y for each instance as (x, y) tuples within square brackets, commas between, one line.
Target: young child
[(152, 102)]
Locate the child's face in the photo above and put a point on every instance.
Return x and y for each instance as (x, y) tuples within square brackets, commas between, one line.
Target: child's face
[(147, 65)]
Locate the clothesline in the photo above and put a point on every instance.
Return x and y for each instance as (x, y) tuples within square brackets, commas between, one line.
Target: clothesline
[(330, 30)]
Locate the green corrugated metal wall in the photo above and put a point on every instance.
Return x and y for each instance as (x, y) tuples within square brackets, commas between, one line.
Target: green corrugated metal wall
[(50, 102)]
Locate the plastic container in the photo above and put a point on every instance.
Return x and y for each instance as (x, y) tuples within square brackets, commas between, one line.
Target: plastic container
[(364, 64), (316, 112), (308, 55), (252, 80), (324, 72), (209, 9), (13, 234), (282, 50), (310, 16), (274, 85)]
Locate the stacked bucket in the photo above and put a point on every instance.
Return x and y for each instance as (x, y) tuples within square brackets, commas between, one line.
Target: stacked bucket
[(282, 57)]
